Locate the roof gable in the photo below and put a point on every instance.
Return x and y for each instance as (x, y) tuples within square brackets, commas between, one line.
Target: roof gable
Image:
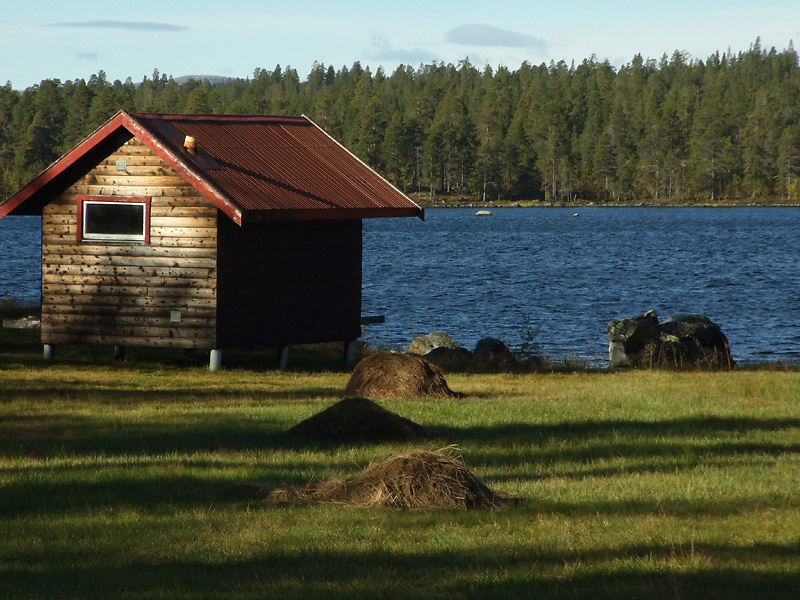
[(250, 167)]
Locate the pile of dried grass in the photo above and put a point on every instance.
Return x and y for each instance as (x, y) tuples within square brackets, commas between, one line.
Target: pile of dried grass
[(358, 419), (394, 375), (413, 480)]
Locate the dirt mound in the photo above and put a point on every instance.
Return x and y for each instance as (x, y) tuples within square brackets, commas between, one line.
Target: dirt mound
[(394, 375), (413, 480), (358, 419)]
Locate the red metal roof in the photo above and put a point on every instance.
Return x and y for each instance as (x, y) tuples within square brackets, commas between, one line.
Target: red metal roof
[(251, 167)]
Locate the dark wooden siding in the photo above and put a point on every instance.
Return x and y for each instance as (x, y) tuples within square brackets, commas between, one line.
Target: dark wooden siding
[(125, 293), (289, 283)]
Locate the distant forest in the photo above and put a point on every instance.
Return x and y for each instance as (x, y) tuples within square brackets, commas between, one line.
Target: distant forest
[(672, 130)]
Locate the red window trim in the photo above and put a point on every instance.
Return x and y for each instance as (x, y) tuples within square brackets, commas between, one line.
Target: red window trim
[(112, 199)]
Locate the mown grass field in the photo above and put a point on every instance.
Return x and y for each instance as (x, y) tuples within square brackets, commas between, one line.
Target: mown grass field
[(125, 480)]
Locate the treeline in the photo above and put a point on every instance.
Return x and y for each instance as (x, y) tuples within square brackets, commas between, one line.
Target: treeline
[(673, 130)]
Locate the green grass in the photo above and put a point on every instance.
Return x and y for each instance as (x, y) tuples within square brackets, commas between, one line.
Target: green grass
[(124, 480)]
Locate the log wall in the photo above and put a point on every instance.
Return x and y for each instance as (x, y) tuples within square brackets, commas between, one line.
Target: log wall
[(125, 293)]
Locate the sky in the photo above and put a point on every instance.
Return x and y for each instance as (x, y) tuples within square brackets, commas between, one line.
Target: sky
[(42, 39)]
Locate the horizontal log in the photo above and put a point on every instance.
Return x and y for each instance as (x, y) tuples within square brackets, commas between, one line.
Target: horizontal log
[(101, 329), (54, 221), (208, 243), (184, 232), (188, 222), (141, 250), (141, 320), (105, 292), (183, 242), (54, 271), (131, 169), (116, 340), (111, 261), (51, 228), (59, 238), (134, 190), (183, 207), (66, 229), (123, 180), (53, 303), (133, 148), (82, 311), (135, 160), (145, 283), (67, 200)]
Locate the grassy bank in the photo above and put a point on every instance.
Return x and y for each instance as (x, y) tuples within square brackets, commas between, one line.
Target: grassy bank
[(126, 480)]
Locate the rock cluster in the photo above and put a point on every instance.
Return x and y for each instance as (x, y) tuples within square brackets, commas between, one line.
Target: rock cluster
[(682, 341), (440, 349)]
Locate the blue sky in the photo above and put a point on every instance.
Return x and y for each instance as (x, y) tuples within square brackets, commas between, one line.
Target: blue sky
[(69, 40)]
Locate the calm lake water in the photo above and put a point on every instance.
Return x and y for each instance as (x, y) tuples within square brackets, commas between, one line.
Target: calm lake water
[(544, 275)]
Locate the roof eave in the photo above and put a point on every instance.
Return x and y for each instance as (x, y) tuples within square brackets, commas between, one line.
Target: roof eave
[(327, 214), (417, 210)]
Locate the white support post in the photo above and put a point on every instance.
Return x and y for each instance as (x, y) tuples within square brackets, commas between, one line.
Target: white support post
[(119, 353), (49, 352), (215, 360), (283, 357)]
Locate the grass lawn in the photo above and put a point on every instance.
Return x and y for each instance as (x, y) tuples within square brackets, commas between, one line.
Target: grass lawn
[(124, 480)]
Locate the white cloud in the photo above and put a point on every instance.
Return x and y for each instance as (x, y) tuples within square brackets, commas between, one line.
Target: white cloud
[(86, 55), (486, 35), (134, 25), (382, 50)]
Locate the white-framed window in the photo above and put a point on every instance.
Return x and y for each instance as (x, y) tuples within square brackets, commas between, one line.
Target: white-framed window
[(114, 218)]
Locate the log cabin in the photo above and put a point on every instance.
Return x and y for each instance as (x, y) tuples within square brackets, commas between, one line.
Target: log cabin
[(204, 232)]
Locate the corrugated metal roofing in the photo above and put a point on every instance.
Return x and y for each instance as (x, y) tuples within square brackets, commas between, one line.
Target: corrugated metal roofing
[(280, 165), (252, 167)]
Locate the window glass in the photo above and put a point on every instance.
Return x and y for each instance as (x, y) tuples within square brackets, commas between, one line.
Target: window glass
[(115, 221)]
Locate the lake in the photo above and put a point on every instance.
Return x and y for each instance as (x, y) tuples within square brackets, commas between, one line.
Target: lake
[(563, 278), (545, 276)]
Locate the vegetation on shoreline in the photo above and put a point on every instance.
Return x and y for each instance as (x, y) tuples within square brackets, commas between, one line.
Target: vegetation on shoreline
[(671, 131), (132, 480)]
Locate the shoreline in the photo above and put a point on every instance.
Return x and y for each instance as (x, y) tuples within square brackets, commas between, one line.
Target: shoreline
[(464, 203)]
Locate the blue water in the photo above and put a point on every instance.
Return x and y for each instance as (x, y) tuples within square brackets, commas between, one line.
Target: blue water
[(544, 276), (21, 259), (559, 279)]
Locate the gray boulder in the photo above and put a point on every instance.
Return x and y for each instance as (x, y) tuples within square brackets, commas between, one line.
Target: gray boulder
[(492, 350), (628, 339), (490, 345), (449, 357), (634, 330), (698, 327), (425, 343)]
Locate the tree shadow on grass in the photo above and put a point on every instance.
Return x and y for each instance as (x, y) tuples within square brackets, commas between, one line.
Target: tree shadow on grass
[(123, 397), (708, 571), (98, 490), (75, 435), (689, 440), (711, 425)]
